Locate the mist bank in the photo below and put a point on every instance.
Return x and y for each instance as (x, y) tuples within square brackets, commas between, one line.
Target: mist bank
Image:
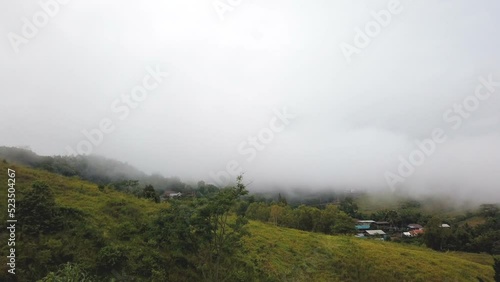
[(103, 171)]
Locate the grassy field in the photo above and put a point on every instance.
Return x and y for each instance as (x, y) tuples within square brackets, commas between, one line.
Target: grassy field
[(293, 255), (282, 254)]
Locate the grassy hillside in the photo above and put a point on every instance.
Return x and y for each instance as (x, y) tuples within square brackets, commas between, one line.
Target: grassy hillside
[(111, 218), (295, 255)]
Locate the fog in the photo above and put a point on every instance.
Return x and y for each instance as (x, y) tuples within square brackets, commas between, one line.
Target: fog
[(294, 94)]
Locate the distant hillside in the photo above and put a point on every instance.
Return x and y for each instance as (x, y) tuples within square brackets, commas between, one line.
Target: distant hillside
[(92, 168), (98, 228)]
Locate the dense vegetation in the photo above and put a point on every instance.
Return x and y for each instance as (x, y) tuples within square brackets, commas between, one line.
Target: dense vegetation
[(74, 229)]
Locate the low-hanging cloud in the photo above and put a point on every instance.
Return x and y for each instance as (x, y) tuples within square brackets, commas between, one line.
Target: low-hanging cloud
[(353, 120)]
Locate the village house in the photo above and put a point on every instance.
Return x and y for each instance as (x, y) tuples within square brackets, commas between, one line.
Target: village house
[(169, 195), (363, 225), (414, 230), (376, 234)]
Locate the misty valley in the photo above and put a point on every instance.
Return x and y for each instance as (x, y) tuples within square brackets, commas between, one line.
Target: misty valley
[(241, 141), (89, 218)]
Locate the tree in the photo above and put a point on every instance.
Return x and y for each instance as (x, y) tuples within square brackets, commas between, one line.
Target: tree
[(393, 218), (290, 218), (258, 211), (489, 210), (282, 200), (276, 213), (435, 236), (221, 235), (349, 207), (111, 258), (343, 224), (307, 217), (38, 211), (327, 219), (149, 193), (205, 233)]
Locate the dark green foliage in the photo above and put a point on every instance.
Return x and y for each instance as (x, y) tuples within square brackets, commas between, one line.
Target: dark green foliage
[(39, 212), (203, 235), (435, 236), (69, 273), (126, 230), (101, 187), (258, 211), (489, 210), (282, 200), (149, 193), (120, 208), (127, 186), (349, 207), (343, 224), (329, 220), (111, 258), (496, 266), (205, 190), (306, 217)]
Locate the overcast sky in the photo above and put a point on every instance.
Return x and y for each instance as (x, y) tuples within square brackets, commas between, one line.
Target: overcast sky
[(231, 70)]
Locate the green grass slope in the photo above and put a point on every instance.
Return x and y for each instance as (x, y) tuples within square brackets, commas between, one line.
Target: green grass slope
[(293, 255), (282, 254)]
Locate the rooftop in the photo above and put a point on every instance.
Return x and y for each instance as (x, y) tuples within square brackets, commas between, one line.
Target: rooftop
[(366, 221), (375, 232)]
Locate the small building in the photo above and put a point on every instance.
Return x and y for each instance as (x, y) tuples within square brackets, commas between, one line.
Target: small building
[(375, 232), (170, 194), (378, 234), (444, 225)]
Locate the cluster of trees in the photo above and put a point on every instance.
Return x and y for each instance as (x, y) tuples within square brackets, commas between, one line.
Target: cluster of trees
[(41, 215), (408, 212), (193, 238), (329, 220), (483, 237), (205, 234)]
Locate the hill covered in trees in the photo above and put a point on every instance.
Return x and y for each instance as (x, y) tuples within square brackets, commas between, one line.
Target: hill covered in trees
[(93, 168)]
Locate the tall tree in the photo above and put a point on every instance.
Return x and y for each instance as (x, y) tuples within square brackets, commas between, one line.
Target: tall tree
[(349, 207), (222, 234), (149, 193), (435, 236)]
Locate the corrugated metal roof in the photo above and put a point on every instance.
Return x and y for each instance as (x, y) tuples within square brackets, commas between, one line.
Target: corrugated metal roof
[(375, 232), (366, 221)]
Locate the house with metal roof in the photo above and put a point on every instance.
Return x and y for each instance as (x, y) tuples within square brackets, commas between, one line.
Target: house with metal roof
[(375, 232)]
